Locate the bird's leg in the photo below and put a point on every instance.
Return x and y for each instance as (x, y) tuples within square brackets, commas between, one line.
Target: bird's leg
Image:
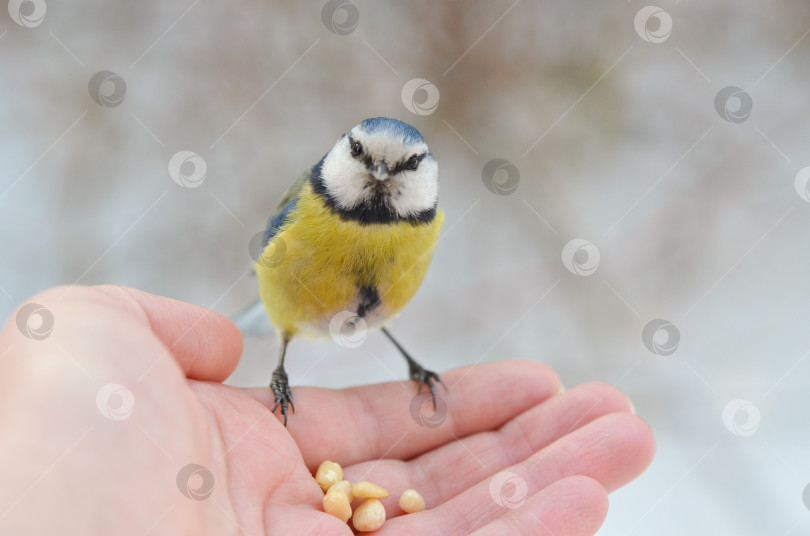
[(280, 384), (417, 372)]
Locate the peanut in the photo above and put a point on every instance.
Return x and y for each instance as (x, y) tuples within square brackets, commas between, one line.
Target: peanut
[(328, 473), (367, 490), (337, 503), (369, 516), (410, 501)]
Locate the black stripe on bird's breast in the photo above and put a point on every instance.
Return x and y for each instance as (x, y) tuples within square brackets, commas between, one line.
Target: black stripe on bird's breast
[(369, 300), (376, 210)]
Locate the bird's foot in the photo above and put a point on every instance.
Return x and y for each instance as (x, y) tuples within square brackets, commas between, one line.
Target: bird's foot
[(425, 377), (281, 389)]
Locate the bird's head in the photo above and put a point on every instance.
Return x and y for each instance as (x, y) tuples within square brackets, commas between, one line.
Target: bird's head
[(380, 171)]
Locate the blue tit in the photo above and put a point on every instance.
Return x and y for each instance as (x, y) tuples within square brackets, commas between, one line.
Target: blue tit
[(353, 236)]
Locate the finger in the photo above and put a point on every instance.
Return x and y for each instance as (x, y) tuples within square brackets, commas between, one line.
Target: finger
[(573, 506), (377, 421), (611, 450), (205, 344), (481, 455), (614, 450), (443, 473)]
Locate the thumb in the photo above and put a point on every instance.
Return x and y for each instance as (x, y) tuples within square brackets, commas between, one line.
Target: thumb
[(205, 344)]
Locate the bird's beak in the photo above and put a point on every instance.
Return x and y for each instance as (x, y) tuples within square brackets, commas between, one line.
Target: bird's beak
[(381, 171)]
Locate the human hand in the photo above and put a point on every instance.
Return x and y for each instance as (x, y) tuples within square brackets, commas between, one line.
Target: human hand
[(76, 461)]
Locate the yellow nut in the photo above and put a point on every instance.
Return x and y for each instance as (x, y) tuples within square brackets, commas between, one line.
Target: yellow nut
[(328, 473), (345, 486), (410, 501), (367, 490), (338, 504), (369, 516)]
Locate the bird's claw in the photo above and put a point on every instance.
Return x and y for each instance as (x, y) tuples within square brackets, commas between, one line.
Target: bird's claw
[(281, 389), (425, 377)]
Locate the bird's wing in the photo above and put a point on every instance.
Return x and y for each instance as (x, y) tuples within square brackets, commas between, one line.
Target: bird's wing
[(286, 206)]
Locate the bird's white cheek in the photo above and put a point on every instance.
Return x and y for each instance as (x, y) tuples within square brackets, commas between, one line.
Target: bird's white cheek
[(344, 179), (417, 194)]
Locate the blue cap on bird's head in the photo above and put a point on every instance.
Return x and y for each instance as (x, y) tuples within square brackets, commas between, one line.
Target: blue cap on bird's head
[(392, 127)]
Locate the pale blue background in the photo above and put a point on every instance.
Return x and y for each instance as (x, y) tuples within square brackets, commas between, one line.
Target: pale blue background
[(696, 219)]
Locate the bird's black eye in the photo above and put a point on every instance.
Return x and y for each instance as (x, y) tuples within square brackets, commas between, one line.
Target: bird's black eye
[(357, 149), (413, 162)]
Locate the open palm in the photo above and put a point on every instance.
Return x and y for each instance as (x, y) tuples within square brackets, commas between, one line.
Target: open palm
[(508, 453)]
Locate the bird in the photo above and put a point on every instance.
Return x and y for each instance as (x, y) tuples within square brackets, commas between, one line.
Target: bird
[(351, 241)]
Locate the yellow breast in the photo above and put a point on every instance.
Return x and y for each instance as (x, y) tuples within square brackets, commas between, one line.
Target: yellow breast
[(315, 267)]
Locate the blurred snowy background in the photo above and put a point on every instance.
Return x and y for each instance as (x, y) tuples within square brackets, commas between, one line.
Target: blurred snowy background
[(670, 142)]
